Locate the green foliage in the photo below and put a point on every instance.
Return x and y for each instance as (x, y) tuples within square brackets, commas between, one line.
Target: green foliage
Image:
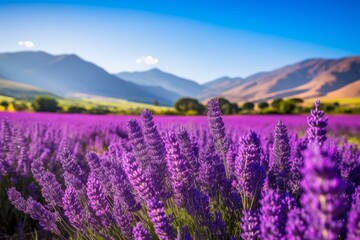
[(227, 107), (76, 109), (184, 105), (248, 106), (276, 103), (156, 102), (45, 104), (263, 105), (19, 106), (287, 107), (296, 100), (5, 104)]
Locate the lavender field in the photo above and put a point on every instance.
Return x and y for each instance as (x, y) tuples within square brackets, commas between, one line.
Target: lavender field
[(143, 177)]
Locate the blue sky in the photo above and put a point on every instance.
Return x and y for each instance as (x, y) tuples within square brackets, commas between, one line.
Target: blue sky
[(199, 40)]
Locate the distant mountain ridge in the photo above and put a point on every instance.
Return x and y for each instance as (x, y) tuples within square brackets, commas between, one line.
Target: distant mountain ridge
[(156, 77), (308, 79), (66, 74)]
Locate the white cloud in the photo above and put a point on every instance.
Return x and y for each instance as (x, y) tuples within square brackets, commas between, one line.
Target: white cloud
[(148, 60), (27, 44)]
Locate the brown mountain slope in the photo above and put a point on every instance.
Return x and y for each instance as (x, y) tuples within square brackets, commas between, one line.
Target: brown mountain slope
[(308, 79), (351, 90)]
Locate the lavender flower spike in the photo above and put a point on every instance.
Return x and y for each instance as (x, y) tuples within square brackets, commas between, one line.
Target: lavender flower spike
[(137, 178), (161, 222), (181, 177), (296, 225), (45, 217), (273, 215), (250, 225), (51, 189), (16, 199), (73, 209), (217, 129), (280, 166), (140, 233), (97, 199), (249, 173), (353, 227), (317, 125), (322, 195), (156, 150)]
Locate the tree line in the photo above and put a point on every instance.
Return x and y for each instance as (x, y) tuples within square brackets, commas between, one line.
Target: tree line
[(183, 106)]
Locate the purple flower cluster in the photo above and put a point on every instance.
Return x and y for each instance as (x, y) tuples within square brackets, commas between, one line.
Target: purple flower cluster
[(317, 125)]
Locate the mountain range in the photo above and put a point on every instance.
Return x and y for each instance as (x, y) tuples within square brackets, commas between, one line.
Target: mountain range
[(66, 75)]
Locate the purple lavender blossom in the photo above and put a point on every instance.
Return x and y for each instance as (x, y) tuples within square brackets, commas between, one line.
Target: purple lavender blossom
[(97, 168), (280, 166), (216, 125), (122, 188), (317, 125), (157, 154), (16, 199), (97, 199), (353, 227), (45, 217), (73, 209), (187, 149), (249, 173), (297, 163), (73, 174), (274, 209), (138, 144), (161, 222), (137, 178), (51, 190), (322, 199), (140, 232), (250, 225), (37, 166), (211, 172), (296, 225), (183, 233), (218, 226), (198, 207), (181, 177), (217, 130), (123, 219)]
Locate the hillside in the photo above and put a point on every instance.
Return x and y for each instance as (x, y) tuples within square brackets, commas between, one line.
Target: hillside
[(20, 91), (156, 77), (66, 74), (307, 79)]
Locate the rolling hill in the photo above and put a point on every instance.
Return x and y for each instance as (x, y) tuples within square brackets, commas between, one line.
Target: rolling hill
[(20, 90), (308, 79), (66, 74), (155, 77)]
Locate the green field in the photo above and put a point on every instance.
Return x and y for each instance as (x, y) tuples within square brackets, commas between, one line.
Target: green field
[(112, 104)]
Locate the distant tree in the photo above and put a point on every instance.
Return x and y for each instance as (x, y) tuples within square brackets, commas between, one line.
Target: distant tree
[(296, 100), (76, 109), (5, 104), (45, 104), (100, 110), (287, 106), (184, 105), (227, 107), (156, 102), (248, 106), (263, 105), (276, 103), (20, 106)]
